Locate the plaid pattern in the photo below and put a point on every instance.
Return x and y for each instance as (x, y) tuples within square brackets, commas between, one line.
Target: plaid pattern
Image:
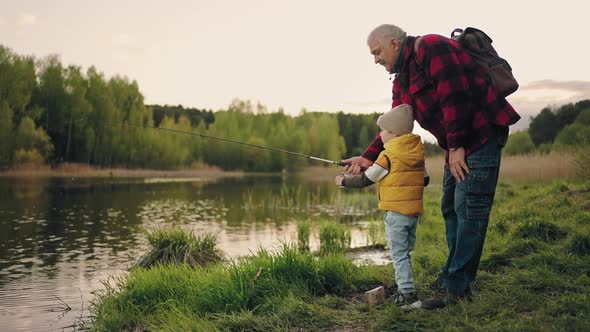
[(450, 94)]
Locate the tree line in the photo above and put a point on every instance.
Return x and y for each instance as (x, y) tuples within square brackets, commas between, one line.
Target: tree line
[(51, 113)]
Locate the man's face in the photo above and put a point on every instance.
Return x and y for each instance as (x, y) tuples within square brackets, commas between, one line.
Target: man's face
[(385, 52)]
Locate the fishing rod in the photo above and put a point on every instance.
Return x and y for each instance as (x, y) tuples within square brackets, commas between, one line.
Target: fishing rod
[(339, 163)]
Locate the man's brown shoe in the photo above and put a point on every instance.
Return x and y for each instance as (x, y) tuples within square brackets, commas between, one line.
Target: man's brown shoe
[(440, 300)]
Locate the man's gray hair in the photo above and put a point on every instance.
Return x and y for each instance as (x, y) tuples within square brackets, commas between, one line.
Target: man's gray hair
[(386, 31)]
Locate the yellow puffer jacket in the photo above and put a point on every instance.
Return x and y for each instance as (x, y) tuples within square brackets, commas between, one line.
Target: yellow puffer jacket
[(402, 188)]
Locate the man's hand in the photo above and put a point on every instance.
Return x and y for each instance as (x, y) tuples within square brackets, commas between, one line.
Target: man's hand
[(457, 164), (358, 162), (338, 180)]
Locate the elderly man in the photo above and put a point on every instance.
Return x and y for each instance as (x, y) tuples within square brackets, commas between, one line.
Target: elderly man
[(452, 99)]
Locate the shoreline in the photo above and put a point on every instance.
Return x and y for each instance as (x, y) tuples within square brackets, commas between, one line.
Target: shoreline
[(531, 167), (86, 171)]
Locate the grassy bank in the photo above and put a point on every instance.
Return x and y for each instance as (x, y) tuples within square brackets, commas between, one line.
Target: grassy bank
[(534, 275), (525, 168)]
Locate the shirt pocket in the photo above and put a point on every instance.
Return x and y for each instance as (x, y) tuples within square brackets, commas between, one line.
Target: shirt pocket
[(481, 184)]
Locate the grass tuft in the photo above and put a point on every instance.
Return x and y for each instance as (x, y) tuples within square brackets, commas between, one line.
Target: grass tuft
[(334, 238), (541, 230), (497, 261), (177, 246), (579, 244)]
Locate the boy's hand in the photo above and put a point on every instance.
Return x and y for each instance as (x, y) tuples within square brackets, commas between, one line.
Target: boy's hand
[(338, 180), (354, 169)]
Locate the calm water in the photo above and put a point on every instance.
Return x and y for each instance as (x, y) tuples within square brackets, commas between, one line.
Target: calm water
[(61, 237)]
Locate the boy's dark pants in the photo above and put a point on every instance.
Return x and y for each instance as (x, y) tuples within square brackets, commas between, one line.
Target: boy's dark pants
[(466, 209)]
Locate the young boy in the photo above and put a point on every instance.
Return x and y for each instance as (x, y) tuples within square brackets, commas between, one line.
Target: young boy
[(399, 169)]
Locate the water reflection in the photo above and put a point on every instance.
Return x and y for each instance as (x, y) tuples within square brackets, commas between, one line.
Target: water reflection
[(60, 237)]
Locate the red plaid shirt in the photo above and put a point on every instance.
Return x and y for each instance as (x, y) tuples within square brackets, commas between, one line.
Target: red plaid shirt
[(450, 94)]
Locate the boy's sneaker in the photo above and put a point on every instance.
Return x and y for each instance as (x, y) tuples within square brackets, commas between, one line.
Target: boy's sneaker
[(407, 301)]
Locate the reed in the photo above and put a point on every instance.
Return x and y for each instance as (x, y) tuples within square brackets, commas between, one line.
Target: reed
[(303, 234), (334, 238), (376, 234)]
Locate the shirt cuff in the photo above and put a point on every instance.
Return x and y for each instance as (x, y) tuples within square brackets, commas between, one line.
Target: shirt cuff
[(456, 140)]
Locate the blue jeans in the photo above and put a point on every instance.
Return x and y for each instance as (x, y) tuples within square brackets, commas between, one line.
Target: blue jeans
[(401, 236), (466, 209)]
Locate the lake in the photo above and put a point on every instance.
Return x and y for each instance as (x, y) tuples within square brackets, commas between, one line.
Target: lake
[(61, 237)]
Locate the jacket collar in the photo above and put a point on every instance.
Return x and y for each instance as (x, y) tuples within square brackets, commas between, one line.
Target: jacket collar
[(404, 55)]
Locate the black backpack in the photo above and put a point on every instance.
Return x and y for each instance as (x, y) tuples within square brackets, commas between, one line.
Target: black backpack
[(479, 46)]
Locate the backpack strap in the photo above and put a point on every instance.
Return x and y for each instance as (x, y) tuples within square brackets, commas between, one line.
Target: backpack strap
[(456, 31), (416, 45)]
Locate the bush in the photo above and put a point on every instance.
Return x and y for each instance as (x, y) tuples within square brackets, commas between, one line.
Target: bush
[(582, 163), (573, 135), (32, 156), (544, 148), (519, 143)]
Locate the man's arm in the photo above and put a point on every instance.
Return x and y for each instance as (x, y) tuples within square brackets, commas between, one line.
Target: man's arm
[(372, 151)]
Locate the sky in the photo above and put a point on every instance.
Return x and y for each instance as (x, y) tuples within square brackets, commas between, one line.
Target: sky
[(295, 54)]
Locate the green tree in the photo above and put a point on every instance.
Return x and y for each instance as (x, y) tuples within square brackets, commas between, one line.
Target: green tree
[(584, 117), (76, 115), (51, 95), (519, 143), (6, 134), (104, 118), (543, 127), (17, 81)]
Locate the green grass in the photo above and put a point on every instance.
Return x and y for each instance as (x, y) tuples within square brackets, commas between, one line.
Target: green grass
[(176, 246), (263, 290), (534, 276), (334, 238), (376, 234), (303, 233)]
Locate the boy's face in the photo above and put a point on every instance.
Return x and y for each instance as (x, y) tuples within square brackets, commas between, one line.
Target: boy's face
[(386, 136)]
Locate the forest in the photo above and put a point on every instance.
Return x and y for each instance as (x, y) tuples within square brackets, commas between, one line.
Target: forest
[(51, 113)]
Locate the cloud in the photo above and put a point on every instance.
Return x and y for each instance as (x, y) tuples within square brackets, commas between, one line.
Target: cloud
[(531, 98), (27, 19), (528, 101), (575, 86), (367, 106)]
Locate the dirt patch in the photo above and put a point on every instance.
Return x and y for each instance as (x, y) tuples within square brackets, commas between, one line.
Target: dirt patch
[(581, 198)]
